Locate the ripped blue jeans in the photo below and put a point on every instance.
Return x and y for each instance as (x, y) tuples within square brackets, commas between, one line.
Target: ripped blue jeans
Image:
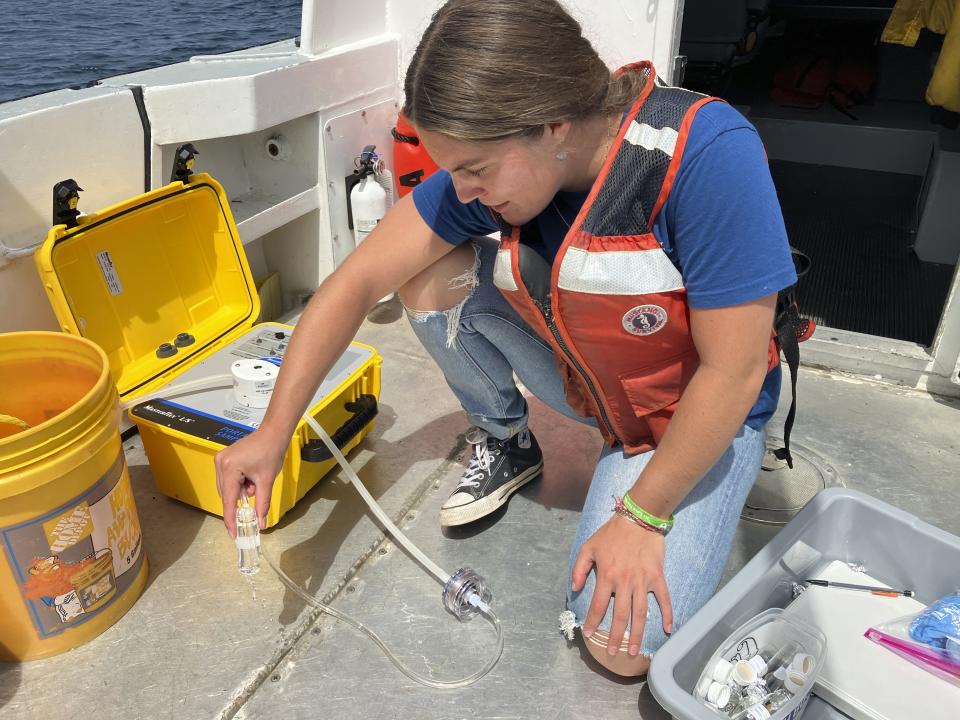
[(480, 344)]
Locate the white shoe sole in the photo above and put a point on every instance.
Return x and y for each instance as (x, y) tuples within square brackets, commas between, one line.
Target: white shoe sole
[(464, 514)]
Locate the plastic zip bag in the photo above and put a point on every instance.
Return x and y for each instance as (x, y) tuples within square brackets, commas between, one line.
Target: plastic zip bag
[(929, 640)]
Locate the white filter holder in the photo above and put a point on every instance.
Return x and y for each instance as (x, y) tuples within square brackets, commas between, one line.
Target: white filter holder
[(253, 381)]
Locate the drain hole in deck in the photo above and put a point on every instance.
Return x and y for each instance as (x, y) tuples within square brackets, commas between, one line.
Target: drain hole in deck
[(779, 493)]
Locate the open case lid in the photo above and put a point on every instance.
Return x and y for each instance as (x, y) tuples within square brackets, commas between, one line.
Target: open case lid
[(138, 274)]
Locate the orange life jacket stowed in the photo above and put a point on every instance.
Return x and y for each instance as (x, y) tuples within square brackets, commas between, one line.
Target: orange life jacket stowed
[(613, 306)]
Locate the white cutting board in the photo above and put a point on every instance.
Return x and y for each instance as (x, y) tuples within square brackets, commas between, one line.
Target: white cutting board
[(860, 678)]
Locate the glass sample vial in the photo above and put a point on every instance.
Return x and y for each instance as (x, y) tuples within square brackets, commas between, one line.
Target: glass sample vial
[(758, 712), (751, 701), (777, 700), (744, 674), (737, 702), (802, 663), (767, 659), (760, 662), (248, 539), (774, 680), (716, 694), (722, 671)]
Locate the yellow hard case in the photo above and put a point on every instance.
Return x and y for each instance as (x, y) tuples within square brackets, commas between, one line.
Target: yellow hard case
[(138, 274)]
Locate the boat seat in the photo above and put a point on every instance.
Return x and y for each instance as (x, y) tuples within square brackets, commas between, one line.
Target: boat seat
[(721, 32)]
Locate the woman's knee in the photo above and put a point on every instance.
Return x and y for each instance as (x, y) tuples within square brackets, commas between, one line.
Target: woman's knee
[(445, 284), (623, 663)]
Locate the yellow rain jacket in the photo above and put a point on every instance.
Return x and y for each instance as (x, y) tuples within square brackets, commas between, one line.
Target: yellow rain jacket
[(906, 21)]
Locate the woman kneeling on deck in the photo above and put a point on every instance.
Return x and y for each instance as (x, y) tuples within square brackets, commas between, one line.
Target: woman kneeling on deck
[(633, 288)]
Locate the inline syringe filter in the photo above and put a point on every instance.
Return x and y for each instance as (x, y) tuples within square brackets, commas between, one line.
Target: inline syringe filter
[(466, 594), (248, 538)]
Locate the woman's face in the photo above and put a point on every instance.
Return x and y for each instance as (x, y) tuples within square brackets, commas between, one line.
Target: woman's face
[(516, 177)]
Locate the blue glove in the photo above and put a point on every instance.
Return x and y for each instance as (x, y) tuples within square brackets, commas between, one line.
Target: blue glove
[(939, 626)]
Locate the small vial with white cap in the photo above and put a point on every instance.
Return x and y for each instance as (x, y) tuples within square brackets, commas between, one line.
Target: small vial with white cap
[(744, 673), (760, 662), (702, 687), (750, 698), (754, 695), (802, 663), (757, 712), (774, 680), (722, 671), (716, 694), (754, 711), (248, 538), (777, 700), (794, 681), (766, 660)]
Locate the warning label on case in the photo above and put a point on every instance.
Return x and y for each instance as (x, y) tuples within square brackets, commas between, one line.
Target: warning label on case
[(109, 272)]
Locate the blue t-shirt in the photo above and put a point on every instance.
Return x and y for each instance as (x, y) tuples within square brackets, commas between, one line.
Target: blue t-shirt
[(721, 225)]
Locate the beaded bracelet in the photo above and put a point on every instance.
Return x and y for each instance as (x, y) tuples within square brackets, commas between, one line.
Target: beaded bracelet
[(619, 509), (662, 525)]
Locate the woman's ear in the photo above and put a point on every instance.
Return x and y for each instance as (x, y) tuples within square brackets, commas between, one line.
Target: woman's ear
[(557, 133)]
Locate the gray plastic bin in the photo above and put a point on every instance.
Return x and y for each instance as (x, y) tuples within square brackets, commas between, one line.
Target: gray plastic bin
[(838, 524)]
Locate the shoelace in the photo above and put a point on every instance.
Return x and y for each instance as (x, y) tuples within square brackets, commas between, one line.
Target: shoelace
[(479, 464)]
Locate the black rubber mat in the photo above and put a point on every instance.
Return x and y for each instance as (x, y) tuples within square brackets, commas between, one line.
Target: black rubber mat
[(857, 227)]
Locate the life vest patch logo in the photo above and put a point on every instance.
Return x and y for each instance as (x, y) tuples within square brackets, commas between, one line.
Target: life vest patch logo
[(644, 320)]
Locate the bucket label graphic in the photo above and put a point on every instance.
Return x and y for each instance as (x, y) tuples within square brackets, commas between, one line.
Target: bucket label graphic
[(75, 560), (68, 529)]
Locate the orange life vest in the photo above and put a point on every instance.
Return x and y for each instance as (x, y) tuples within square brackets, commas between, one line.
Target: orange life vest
[(613, 306)]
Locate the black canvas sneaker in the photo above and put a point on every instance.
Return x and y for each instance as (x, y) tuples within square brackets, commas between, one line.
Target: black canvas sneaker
[(497, 469)]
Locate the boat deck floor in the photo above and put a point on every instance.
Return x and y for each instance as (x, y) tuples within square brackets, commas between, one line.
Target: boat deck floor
[(205, 642)]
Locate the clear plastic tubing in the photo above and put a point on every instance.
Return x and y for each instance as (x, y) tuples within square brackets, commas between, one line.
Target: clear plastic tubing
[(473, 598), (205, 383), (378, 512), (356, 624), (426, 562)]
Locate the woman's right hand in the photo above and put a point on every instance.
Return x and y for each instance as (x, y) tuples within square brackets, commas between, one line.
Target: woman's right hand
[(250, 466), (380, 264)]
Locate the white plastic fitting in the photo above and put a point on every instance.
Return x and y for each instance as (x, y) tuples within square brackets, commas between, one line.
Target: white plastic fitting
[(703, 687), (794, 682), (722, 671), (802, 663), (758, 712), (718, 695), (758, 664), (744, 673)]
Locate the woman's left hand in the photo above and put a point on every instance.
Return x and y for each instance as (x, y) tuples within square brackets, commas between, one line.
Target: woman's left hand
[(629, 564)]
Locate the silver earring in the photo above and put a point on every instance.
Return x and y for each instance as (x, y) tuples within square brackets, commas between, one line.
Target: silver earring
[(562, 155)]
